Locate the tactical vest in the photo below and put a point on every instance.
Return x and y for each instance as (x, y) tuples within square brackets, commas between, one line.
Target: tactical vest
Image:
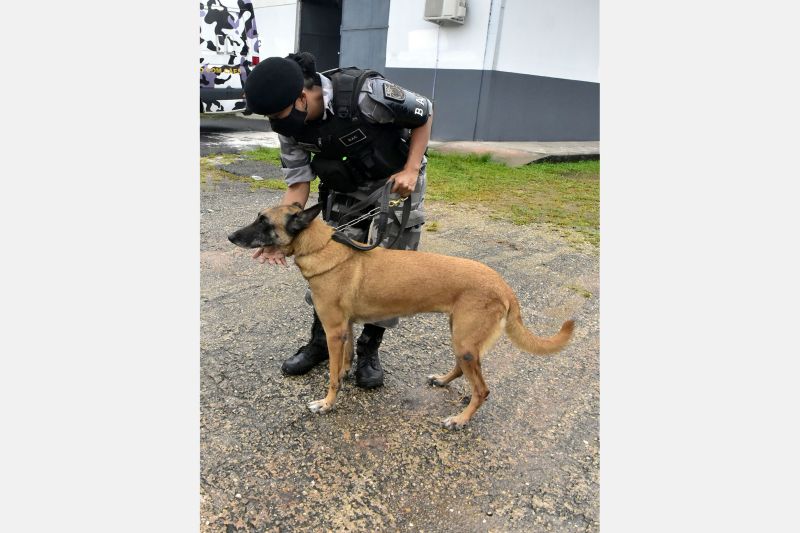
[(347, 149)]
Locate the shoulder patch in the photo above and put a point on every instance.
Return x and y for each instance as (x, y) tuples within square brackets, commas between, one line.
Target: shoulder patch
[(393, 92)]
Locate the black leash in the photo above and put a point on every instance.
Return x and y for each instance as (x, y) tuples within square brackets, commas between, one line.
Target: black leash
[(383, 213)]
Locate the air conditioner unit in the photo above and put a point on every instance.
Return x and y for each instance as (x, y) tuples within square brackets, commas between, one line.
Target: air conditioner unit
[(445, 11)]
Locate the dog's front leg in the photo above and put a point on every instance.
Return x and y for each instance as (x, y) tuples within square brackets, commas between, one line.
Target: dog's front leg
[(347, 350), (338, 342)]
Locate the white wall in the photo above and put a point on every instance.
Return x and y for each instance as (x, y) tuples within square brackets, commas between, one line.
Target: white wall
[(554, 38), (411, 41), (276, 22)]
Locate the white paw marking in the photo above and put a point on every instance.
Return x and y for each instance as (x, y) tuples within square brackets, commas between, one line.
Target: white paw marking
[(451, 423), (319, 406)]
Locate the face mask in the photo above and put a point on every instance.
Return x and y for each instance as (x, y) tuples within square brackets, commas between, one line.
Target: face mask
[(292, 125)]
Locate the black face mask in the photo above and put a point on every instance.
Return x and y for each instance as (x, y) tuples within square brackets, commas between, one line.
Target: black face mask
[(291, 125)]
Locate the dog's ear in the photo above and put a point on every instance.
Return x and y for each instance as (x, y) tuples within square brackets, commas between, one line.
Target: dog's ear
[(300, 221)]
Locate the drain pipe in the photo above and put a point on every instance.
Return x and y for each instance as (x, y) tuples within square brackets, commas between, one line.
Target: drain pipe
[(490, 50), (436, 64)]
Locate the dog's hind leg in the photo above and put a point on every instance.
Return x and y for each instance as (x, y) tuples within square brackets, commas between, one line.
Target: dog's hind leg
[(469, 362), (443, 379), (339, 337), (474, 334)]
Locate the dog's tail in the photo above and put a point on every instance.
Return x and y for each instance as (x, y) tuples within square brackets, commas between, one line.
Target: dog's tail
[(525, 340)]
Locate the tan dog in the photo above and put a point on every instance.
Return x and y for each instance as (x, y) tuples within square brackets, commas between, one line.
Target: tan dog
[(348, 285)]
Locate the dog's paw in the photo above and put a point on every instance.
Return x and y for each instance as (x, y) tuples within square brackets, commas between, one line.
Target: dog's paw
[(434, 380), (453, 422), (319, 406)]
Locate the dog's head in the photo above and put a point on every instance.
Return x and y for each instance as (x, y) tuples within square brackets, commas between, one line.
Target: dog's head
[(276, 227)]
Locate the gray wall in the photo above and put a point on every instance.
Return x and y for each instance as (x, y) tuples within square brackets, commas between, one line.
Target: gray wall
[(520, 107), (504, 106), (364, 26)]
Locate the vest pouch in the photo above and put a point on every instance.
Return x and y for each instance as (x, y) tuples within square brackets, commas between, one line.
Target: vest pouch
[(335, 174), (387, 156)]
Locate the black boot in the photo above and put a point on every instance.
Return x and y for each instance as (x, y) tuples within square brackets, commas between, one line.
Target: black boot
[(309, 355), (369, 373)]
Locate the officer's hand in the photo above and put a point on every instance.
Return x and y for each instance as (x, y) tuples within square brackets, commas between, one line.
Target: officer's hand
[(272, 255), (404, 182)]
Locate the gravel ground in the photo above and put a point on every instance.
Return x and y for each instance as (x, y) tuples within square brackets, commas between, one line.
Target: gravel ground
[(380, 461)]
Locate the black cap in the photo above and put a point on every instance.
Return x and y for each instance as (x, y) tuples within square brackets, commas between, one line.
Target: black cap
[(273, 85)]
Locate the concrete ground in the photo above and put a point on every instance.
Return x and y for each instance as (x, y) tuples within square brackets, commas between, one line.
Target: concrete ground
[(381, 461)]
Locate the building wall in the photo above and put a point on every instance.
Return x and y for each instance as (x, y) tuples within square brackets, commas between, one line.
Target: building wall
[(552, 38), (364, 27), (413, 42), (515, 70)]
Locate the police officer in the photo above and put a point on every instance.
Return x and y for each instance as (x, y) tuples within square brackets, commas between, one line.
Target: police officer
[(354, 129)]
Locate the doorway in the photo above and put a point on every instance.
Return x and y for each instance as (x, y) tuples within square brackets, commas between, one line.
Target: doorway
[(320, 24)]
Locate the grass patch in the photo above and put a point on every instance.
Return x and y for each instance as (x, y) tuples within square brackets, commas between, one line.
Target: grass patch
[(270, 155), (273, 157), (210, 172), (279, 185), (432, 226), (566, 195), (580, 290)]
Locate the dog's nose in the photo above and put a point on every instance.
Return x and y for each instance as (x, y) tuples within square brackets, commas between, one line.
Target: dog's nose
[(232, 237)]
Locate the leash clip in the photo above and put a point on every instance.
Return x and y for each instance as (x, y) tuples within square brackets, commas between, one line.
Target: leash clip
[(395, 203)]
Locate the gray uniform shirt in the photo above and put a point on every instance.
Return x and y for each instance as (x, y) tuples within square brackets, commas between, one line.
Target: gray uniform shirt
[(296, 159)]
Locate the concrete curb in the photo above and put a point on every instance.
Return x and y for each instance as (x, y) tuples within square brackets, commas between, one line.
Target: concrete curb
[(519, 153)]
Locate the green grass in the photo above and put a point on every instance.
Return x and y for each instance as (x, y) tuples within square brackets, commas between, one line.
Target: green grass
[(580, 290), (563, 195), (272, 156), (209, 173), (566, 195)]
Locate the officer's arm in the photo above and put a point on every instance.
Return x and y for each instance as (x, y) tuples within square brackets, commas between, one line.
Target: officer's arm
[(420, 136), (295, 164), (297, 193), (403, 108), (405, 181)]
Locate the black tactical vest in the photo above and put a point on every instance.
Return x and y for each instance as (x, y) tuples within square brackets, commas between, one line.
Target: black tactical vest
[(348, 150)]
